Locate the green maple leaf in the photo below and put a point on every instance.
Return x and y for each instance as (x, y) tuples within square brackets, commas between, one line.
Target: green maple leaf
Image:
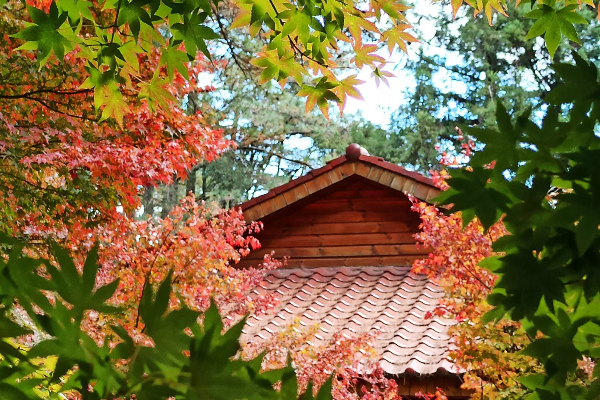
[(194, 33), (553, 24), (76, 9), (165, 328), (319, 95), (175, 59), (471, 193), (133, 13), (156, 94), (78, 289), (501, 145), (216, 376), (43, 33), (110, 99)]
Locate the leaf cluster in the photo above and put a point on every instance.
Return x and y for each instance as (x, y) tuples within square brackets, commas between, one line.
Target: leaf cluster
[(303, 39), (543, 178), (554, 19), (175, 356)]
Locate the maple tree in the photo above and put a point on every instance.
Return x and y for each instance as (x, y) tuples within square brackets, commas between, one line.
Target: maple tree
[(61, 166), (492, 354), (541, 179), (530, 329), (301, 37), (65, 177), (71, 178), (488, 353), (304, 39)]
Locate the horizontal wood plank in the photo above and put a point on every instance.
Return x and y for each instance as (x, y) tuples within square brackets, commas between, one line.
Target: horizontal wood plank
[(346, 216), (365, 194), (340, 251), (338, 262), (327, 206), (346, 228), (336, 239)]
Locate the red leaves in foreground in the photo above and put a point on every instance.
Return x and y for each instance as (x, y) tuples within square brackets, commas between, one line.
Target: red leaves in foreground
[(61, 166), (352, 360), (453, 262), (197, 247), (489, 353)]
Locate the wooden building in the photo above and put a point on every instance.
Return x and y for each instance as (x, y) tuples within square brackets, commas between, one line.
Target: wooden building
[(347, 232)]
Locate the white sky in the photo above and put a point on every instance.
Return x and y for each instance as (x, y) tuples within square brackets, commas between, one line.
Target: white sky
[(380, 102)]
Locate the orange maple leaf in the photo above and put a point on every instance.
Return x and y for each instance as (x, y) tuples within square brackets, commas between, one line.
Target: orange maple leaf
[(365, 55), (347, 87)]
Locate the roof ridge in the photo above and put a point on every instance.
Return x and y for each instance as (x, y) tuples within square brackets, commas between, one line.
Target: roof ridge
[(352, 156)]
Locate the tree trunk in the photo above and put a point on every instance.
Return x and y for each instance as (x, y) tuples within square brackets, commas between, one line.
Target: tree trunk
[(203, 170), (190, 183), (169, 198), (148, 200)]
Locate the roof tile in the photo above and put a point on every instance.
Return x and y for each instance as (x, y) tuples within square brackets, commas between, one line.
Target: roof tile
[(357, 300)]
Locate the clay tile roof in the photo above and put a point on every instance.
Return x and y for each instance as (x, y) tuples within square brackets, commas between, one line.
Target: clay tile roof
[(357, 300)]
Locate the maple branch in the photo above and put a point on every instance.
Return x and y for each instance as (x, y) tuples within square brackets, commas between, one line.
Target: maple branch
[(474, 275), (294, 45), (302, 54), (38, 187), (115, 25), (228, 41), (48, 106), (144, 288), (274, 154), (27, 95)]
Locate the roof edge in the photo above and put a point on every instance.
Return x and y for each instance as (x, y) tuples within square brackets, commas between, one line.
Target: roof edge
[(336, 170)]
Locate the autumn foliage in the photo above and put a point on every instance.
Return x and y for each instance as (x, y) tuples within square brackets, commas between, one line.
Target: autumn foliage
[(99, 119), (61, 164), (70, 176), (488, 353), (353, 361)]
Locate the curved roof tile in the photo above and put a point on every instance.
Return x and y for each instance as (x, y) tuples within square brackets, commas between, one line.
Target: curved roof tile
[(389, 300)]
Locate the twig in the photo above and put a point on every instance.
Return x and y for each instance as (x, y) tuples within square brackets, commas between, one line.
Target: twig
[(228, 41), (116, 26), (274, 154), (48, 106), (27, 95)]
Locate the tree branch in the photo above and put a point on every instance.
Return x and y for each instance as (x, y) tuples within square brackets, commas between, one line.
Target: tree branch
[(228, 41), (27, 95), (48, 106), (274, 154)]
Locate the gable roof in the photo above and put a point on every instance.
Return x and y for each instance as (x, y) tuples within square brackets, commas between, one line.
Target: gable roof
[(379, 296), (355, 162)]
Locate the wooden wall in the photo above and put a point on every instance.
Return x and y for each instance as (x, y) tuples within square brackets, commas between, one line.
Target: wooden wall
[(358, 223), (409, 386)]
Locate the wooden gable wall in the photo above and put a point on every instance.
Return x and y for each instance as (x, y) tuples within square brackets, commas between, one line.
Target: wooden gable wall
[(356, 223)]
